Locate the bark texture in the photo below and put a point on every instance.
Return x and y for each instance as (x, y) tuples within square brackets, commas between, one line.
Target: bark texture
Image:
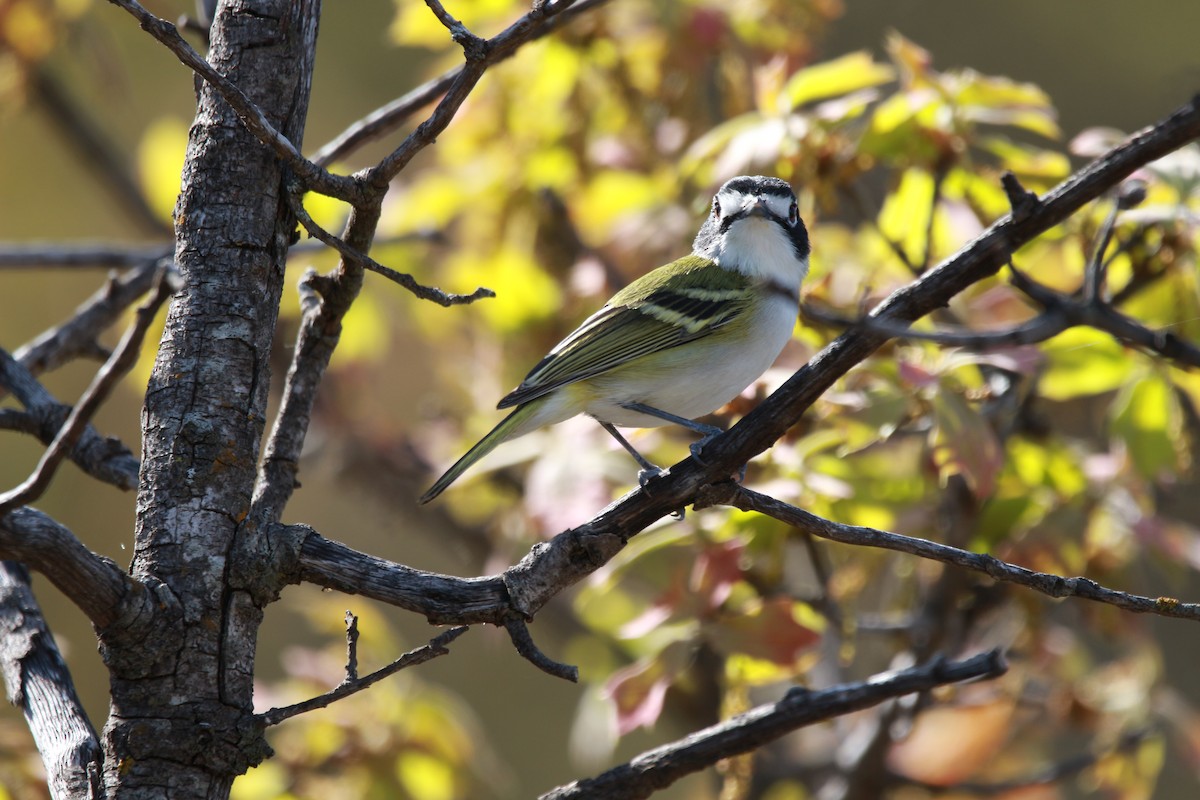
[(181, 721)]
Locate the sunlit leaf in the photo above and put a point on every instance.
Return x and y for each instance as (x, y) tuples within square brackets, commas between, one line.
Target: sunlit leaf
[(28, 29), (365, 331), (905, 215), (1081, 362), (1027, 161), (267, 781), (638, 690), (950, 744), (837, 76), (1146, 416), (964, 444), (777, 630), (524, 292), (425, 777), (160, 163)]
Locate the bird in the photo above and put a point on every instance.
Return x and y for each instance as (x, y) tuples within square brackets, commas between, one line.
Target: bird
[(679, 342)]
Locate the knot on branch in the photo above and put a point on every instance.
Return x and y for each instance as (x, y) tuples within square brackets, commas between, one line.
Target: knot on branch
[(1023, 202)]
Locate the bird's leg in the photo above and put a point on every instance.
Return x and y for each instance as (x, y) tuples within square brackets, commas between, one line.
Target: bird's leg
[(708, 432), (647, 471)]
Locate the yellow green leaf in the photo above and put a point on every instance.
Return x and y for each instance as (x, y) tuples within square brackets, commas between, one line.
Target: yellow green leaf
[(160, 163), (1148, 419), (1083, 361), (838, 76), (425, 777)]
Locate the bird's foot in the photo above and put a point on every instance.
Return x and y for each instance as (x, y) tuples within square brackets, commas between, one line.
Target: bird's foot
[(697, 448), (649, 473)]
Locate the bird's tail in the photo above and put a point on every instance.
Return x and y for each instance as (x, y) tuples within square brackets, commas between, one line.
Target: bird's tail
[(508, 427)]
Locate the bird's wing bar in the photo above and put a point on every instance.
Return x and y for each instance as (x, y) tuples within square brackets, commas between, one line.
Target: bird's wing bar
[(616, 335)]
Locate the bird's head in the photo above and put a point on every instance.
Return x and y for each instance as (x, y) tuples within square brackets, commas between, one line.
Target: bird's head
[(755, 227)]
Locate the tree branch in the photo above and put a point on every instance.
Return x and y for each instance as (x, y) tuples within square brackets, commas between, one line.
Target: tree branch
[(106, 459), (78, 335), (314, 177), (662, 766), (89, 255), (387, 118), (437, 647), (122, 361), (92, 582), (364, 261), (40, 684), (729, 493)]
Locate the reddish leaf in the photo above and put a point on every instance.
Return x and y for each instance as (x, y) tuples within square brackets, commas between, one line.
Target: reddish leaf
[(768, 631), (716, 571)]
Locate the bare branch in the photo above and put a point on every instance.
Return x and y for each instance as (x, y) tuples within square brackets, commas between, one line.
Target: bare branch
[(92, 582), (518, 631), (1039, 329), (538, 21), (40, 684), (662, 766), (437, 647), (387, 118), (314, 177), (431, 293), (106, 379), (731, 494), (106, 459), (78, 335), (25, 255)]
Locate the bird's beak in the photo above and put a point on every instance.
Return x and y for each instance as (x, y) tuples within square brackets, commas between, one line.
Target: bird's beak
[(756, 207)]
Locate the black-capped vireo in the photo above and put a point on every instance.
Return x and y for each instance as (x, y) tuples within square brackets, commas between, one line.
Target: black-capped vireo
[(679, 342)]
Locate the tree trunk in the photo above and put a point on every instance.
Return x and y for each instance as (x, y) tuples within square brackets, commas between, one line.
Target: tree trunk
[(180, 723)]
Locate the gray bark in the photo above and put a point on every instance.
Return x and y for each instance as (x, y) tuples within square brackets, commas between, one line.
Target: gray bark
[(181, 722)]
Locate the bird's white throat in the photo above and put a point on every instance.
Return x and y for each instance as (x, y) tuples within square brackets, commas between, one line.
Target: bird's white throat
[(755, 246)]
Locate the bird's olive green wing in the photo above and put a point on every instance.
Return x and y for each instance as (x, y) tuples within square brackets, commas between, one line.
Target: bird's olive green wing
[(681, 302)]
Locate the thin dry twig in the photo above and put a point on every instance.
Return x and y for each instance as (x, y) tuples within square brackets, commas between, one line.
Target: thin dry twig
[(122, 360), (437, 647), (518, 631), (391, 116), (315, 177), (430, 293)]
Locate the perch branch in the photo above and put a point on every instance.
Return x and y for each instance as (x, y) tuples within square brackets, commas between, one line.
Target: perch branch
[(662, 766)]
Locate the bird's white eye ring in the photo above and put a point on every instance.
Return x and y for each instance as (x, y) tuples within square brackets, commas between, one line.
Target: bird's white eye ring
[(793, 214)]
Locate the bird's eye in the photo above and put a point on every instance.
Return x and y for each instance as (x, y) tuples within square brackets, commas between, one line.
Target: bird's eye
[(793, 214), (716, 207)]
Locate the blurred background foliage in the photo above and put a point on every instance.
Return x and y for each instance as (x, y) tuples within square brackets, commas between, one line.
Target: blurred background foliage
[(584, 161)]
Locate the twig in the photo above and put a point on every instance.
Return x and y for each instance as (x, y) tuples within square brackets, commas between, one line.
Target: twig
[(104, 458), (437, 647), (731, 494), (430, 293), (314, 177), (106, 379), (387, 118), (664, 765), (351, 648), (26, 255), (518, 631), (474, 48), (78, 335)]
